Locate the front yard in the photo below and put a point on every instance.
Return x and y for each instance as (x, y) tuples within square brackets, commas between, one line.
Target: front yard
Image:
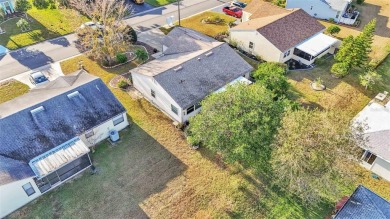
[(11, 89), (158, 3), (45, 24)]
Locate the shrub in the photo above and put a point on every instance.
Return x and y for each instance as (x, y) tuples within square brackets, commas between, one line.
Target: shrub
[(132, 35), (216, 19), (333, 29), (123, 84), (141, 54), (331, 20), (121, 58), (22, 5), (340, 69), (41, 4), (23, 24), (359, 1)]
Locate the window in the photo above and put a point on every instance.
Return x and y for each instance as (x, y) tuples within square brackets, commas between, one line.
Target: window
[(198, 105), (369, 157), (174, 109), (118, 119), (286, 54), (190, 109), (153, 93), (338, 14), (251, 45), (28, 189), (89, 134)]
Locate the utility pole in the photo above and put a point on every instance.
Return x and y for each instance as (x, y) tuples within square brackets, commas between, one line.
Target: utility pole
[(178, 9)]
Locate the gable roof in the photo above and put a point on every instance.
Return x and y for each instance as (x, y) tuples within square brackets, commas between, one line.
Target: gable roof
[(377, 118), (364, 204), (260, 8), (47, 117), (195, 69), (284, 30)]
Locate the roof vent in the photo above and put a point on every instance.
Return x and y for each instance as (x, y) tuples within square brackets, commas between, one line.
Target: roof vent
[(178, 68), (199, 58), (37, 110), (74, 94), (209, 53)]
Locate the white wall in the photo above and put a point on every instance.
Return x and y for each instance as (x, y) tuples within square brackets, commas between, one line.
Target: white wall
[(382, 168), (245, 16), (312, 7), (13, 196), (163, 101), (262, 47), (101, 132)]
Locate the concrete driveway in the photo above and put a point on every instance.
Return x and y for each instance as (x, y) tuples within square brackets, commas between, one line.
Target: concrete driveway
[(136, 8)]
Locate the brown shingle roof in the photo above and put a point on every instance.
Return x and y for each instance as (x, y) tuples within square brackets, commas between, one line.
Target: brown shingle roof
[(286, 30), (259, 8)]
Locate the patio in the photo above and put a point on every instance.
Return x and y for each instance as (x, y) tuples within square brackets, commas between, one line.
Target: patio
[(349, 16)]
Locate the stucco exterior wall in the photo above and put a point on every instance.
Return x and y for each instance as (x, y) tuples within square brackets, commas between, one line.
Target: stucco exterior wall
[(382, 168), (163, 101), (315, 8), (262, 47), (101, 132), (13, 196)]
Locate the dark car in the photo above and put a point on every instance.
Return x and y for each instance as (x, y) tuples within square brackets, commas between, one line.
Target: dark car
[(233, 11), (239, 4), (38, 78)]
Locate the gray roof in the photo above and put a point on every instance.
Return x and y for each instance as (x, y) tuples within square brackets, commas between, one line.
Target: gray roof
[(13, 170), (205, 66), (25, 135), (377, 118), (364, 204)]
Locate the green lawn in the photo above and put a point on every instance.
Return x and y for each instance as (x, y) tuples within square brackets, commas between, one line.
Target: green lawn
[(158, 3), (195, 22), (11, 89), (45, 24), (152, 172)]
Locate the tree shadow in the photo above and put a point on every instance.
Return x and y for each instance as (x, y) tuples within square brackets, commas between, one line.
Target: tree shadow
[(62, 41), (371, 11), (31, 58)]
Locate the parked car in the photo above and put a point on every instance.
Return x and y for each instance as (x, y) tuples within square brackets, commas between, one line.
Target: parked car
[(232, 11), (139, 2), (38, 78), (239, 4)]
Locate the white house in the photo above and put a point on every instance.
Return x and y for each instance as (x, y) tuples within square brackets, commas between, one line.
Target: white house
[(376, 152), (280, 35), (192, 66), (46, 133), (339, 10)]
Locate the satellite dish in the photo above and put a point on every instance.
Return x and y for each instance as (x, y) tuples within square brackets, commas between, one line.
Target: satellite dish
[(170, 20)]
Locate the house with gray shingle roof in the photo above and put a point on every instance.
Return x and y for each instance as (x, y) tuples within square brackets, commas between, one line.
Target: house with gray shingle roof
[(376, 151), (191, 67), (279, 35), (364, 204), (46, 134)]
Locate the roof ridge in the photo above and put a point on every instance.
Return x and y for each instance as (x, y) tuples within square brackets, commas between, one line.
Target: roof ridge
[(205, 50)]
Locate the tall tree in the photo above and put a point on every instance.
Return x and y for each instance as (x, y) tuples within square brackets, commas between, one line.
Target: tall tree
[(312, 152), (110, 35), (272, 76), (362, 45), (239, 123), (22, 5)]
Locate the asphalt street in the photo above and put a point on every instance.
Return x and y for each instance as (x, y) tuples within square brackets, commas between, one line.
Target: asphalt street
[(35, 56)]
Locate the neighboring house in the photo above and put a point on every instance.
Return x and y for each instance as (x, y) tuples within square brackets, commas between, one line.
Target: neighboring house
[(376, 152), (46, 133), (191, 67), (7, 6), (364, 204), (280, 35), (339, 10)]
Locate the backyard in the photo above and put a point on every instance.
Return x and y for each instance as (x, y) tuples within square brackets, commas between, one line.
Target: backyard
[(11, 89), (45, 24), (153, 173)]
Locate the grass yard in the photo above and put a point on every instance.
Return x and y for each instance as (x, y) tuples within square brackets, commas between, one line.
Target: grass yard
[(153, 173), (195, 22), (45, 24), (11, 89), (158, 3)]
